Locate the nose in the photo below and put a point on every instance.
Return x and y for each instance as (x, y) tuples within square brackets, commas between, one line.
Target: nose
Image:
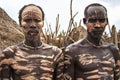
[(33, 24), (97, 24)]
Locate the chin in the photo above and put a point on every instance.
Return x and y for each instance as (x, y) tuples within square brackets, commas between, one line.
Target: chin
[(96, 35)]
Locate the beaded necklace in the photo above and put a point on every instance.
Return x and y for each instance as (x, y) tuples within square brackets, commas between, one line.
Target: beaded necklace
[(27, 46), (92, 44)]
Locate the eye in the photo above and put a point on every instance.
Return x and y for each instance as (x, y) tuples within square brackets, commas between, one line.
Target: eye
[(90, 20), (37, 20), (27, 20), (102, 20)]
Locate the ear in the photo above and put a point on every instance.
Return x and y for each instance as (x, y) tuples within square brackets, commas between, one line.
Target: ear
[(107, 20), (42, 24), (84, 20)]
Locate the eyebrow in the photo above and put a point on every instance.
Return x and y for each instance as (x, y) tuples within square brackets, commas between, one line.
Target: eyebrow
[(29, 12)]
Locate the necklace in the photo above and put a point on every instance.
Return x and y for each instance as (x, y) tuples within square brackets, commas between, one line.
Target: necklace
[(92, 44), (27, 46)]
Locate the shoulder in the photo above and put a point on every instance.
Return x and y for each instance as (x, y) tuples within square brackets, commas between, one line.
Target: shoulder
[(115, 51), (112, 47), (51, 48), (9, 51), (75, 45)]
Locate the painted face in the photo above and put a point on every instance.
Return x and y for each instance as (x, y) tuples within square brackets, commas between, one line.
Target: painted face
[(31, 21), (96, 20)]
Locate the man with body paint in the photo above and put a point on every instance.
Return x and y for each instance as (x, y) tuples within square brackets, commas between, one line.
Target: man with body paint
[(90, 58), (32, 59)]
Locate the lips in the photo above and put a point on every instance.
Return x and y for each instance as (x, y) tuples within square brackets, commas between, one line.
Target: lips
[(33, 32), (98, 30)]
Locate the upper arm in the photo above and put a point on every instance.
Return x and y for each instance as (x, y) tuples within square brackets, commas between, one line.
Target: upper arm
[(59, 65), (6, 57), (68, 65), (116, 54), (4, 67)]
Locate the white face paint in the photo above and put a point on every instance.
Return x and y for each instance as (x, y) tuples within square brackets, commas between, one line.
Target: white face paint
[(96, 20), (32, 21)]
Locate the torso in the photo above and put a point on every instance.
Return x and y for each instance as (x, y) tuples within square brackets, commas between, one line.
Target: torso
[(93, 63), (30, 64)]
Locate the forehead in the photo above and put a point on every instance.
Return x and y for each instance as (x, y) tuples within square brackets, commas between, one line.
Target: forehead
[(31, 10), (96, 11)]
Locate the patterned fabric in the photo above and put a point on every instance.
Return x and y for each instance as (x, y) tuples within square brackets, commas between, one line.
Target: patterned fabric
[(87, 62), (22, 63)]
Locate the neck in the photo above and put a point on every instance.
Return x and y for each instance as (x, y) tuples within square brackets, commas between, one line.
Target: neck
[(94, 40), (33, 42)]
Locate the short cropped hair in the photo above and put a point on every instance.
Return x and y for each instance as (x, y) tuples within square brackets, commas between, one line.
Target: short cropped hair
[(93, 4), (21, 10)]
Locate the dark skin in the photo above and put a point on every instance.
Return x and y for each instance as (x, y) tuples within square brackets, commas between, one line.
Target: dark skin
[(31, 59), (90, 58), (95, 30), (32, 25)]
